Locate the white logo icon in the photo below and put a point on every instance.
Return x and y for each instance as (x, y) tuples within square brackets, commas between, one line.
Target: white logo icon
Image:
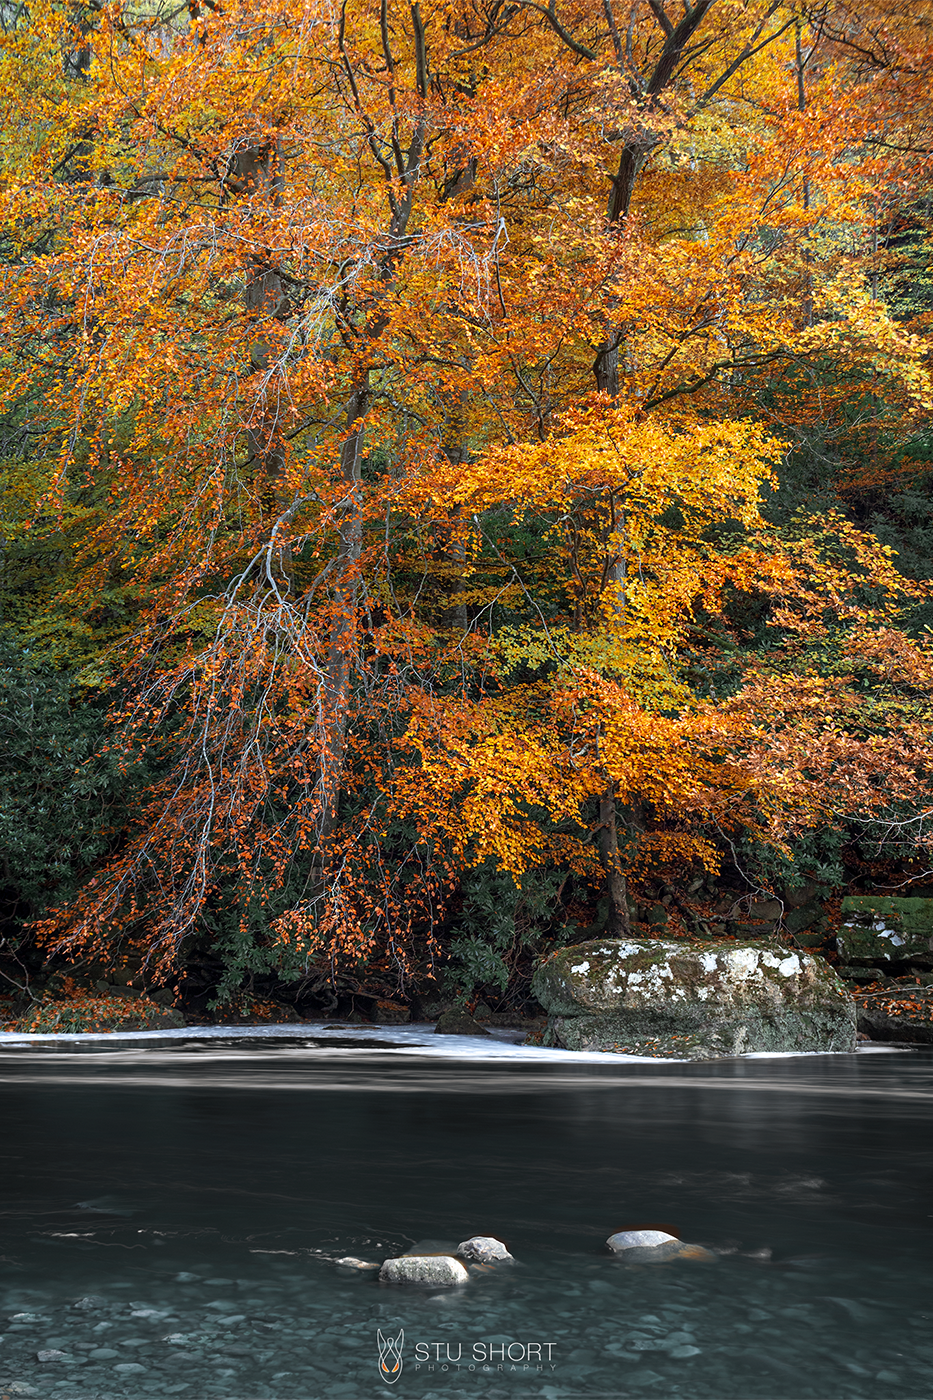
[(390, 1356)]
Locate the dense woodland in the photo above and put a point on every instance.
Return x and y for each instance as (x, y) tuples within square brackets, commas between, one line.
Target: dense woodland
[(464, 484)]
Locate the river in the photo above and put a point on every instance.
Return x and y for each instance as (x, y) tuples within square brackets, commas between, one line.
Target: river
[(173, 1209)]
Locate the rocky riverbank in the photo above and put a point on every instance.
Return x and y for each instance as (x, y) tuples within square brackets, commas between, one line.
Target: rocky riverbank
[(879, 947)]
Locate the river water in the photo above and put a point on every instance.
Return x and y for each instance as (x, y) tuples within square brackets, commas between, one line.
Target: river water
[(172, 1211)]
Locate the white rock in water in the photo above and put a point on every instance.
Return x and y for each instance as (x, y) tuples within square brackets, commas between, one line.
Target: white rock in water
[(350, 1261), (639, 1239), (483, 1249), (433, 1270), (654, 1247), (51, 1355)]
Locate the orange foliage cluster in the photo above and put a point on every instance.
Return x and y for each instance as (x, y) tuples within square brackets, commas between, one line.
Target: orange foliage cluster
[(72, 1009), (308, 299)]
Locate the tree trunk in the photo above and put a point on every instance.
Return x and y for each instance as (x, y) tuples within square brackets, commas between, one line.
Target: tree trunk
[(618, 924), (633, 155), (635, 151)]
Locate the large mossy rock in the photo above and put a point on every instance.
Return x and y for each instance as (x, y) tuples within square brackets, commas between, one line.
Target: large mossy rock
[(881, 929), (694, 1001)]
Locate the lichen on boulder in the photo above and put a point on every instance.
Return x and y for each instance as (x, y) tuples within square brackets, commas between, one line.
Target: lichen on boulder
[(692, 1001)]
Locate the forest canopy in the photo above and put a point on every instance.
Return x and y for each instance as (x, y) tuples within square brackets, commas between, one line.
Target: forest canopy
[(464, 465)]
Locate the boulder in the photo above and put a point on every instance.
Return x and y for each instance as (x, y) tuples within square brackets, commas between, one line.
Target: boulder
[(693, 1001), (390, 1013), (796, 896), (458, 1022), (426, 1270), (639, 1239), (767, 910), (878, 929), (483, 1249), (655, 1247), (797, 920)]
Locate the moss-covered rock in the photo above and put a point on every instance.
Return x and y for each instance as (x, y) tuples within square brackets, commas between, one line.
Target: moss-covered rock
[(883, 929), (694, 1001), (456, 1021)]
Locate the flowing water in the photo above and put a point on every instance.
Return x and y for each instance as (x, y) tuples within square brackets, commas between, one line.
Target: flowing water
[(172, 1212)]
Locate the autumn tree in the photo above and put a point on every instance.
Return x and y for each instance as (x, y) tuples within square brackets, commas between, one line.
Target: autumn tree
[(315, 297)]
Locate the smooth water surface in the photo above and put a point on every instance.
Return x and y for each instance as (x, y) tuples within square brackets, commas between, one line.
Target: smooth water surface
[(195, 1195)]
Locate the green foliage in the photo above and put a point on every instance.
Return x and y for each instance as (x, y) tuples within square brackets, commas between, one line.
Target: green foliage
[(818, 855), (500, 918), (234, 929), (62, 795)]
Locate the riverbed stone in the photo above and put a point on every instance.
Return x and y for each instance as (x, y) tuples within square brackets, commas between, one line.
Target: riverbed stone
[(692, 1000), (484, 1249), (639, 1239), (883, 929), (427, 1270), (654, 1247)]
